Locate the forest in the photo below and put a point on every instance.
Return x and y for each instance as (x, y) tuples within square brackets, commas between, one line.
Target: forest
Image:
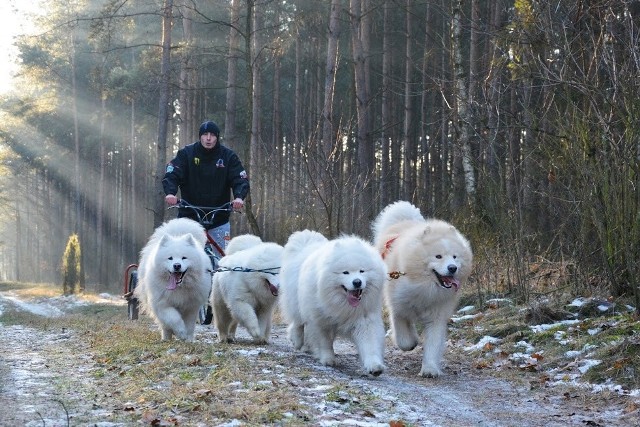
[(516, 120)]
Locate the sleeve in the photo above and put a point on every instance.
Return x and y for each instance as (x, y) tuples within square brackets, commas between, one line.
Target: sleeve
[(175, 172), (239, 180)]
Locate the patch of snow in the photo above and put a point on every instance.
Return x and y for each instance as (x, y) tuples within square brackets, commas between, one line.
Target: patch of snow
[(497, 301), (232, 423), (466, 309), (456, 319), (528, 347), (483, 342), (548, 326), (38, 308), (251, 352), (578, 302), (588, 364)]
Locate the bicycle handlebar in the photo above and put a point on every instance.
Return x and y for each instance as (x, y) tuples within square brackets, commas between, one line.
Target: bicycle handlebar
[(205, 214)]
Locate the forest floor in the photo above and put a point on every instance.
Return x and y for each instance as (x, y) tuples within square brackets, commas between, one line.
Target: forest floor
[(78, 361)]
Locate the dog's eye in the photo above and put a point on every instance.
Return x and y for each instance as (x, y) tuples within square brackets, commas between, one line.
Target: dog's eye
[(455, 256), (438, 256), (184, 257), (170, 258), (361, 271), (345, 272)]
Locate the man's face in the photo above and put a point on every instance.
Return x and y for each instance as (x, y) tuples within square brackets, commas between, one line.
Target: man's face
[(208, 140)]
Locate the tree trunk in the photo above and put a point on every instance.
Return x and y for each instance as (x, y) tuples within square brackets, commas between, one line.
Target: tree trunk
[(386, 172), (230, 123), (407, 142), (325, 158), (187, 121), (462, 103), (163, 113), (364, 146), (250, 55)]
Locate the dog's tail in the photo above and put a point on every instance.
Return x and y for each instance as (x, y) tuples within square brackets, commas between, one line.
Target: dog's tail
[(301, 239), (242, 242), (393, 214)]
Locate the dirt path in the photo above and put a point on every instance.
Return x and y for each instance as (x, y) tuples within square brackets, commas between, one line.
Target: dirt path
[(33, 387)]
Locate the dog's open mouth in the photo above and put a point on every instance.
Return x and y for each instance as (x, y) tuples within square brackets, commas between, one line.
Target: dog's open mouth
[(272, 288), (447, 282), (175, 280), (354, 296)]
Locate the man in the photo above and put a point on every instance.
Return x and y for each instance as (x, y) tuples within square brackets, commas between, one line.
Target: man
[(207, 173)]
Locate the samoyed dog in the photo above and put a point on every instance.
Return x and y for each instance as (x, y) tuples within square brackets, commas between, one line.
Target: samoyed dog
[(428, 261), (245, 288), (332, 288), (174, 277)]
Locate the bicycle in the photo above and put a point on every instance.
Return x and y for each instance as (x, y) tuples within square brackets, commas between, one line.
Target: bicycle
[(205, 216)]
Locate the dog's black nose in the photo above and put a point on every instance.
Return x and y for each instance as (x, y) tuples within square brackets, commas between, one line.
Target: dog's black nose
[(452, 268), (176, 266), (357, 283)]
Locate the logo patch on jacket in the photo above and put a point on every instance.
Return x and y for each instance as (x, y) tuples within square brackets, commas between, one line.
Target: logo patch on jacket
[(196, 160), (220, 163), (244, 175), (169, 168)]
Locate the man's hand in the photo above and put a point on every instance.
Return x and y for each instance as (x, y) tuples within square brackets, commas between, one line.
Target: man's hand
[(237, 204), (171, 199)]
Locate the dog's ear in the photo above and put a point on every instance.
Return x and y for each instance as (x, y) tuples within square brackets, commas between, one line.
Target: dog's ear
[(163, 240), (193, 241)]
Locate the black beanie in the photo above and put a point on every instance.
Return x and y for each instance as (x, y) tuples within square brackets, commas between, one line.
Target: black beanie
[(209, 126)]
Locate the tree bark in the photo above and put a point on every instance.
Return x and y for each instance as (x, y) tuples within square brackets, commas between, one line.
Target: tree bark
[(250, 49), (230, 122), (462, 104), (163, 113), (325, 159)]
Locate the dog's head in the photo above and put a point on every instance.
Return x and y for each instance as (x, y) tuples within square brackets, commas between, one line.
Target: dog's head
[(446, 255), (177, 255), (356, 268)]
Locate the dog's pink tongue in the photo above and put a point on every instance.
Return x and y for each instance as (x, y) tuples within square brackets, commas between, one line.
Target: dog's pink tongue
[(451, 281), (274, 289), (173, 282), (353, 298)]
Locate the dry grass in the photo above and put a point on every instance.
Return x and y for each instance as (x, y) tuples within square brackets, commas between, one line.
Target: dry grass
[(167, 383), (142, 379)]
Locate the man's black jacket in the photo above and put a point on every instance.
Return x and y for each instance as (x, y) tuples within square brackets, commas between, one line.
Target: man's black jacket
[(206, 178)]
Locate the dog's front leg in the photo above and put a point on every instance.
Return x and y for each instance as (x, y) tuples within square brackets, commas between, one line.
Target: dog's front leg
[(435, 337), (322, 342), (404, 332), (368, 336), (171, 321)]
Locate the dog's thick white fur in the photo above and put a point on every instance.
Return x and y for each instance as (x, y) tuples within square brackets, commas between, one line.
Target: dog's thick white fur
[(332, 288), (245, 288), (174, 277), (428, 261)]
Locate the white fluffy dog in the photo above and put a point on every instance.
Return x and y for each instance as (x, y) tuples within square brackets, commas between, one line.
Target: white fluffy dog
[(428, 261), (333, 288), (245, 288), (174, 277)]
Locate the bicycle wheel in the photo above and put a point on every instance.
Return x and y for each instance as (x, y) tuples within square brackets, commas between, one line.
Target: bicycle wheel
[(132, 308), (132, 302), (205, 315)]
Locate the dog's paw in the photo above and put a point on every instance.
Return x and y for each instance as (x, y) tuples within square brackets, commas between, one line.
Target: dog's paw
[(327, 360), (430, 371), (375, 370), (260, 340)]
